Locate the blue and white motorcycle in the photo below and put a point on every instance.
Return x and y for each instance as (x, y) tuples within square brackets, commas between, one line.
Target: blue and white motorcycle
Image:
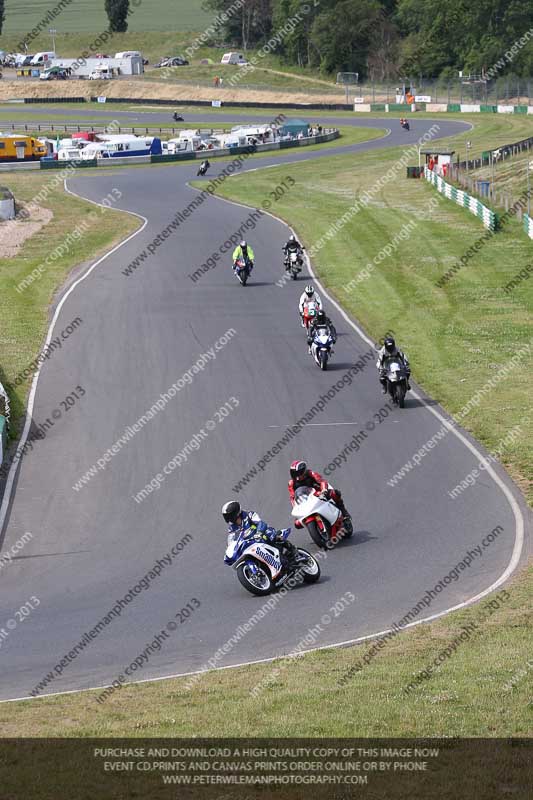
[(322, 346), (260, 568)]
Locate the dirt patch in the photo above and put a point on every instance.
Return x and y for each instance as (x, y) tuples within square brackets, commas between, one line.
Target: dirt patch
[(14, 232), (145, 90)]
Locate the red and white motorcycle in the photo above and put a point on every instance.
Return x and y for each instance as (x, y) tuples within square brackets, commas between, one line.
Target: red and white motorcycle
[(324, 521), (311, 309)]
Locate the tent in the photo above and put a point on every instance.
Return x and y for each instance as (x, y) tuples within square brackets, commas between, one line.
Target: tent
[(293, 127)]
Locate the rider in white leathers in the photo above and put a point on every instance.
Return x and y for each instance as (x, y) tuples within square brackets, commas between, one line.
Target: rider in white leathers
[(307, 296)]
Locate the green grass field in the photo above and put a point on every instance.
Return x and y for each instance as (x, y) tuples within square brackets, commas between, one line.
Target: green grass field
[(89, 15), (456, 338)]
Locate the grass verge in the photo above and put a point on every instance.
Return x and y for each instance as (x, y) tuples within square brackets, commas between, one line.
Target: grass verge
[(25, 315)]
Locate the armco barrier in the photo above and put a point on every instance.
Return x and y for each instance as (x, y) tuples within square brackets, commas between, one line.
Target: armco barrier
[(54, 164), (528, 225), (486, 215), (168, 158), (228, 103), (40, 100)]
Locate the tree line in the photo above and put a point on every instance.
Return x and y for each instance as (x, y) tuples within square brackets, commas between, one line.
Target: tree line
[(382, 39)]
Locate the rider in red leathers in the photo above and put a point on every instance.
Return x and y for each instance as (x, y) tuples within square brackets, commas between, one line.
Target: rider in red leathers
[(301, 476)]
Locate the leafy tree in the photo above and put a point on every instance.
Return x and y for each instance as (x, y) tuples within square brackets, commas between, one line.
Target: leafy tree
[(249, 24), (117, 13), (342, 35), (461, 34)]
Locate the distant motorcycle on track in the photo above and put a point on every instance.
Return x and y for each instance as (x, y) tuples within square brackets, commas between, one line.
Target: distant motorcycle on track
[(243, 270)]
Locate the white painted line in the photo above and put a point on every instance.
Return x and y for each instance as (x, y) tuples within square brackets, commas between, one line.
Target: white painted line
[(317, 424)]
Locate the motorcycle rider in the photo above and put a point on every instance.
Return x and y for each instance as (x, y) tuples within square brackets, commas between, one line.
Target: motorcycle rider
[(292, 246), (308, 295), (390, 352), (321, 321), (204, 166), (244, 251), (301, 476), (248, 525)]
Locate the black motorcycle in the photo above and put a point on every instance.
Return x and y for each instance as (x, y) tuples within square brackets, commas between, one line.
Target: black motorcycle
[(204, 166), (176, 117), (293, 263)]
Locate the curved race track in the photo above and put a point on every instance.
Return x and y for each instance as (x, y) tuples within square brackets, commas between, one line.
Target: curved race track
[(139, 335)]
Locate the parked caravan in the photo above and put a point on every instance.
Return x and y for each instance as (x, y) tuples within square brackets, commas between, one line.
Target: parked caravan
[(233, 58), (123, 147), (69, 154), (233, 139), (182, 144), (21, 148)]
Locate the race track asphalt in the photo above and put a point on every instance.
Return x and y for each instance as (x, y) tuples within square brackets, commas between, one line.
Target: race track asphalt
[(140, 334)]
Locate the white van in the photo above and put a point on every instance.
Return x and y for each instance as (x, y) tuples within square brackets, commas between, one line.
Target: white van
[(40, 59), (233, 58)]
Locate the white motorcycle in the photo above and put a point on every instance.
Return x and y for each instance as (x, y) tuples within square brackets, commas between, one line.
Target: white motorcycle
[(323, 520), (322, 347), (259, 566)]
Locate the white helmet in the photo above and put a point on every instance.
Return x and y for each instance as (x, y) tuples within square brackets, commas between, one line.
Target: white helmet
[(309, 290)]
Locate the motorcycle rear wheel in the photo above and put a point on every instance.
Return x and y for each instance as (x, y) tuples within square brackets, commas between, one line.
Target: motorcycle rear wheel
[(254, 577)]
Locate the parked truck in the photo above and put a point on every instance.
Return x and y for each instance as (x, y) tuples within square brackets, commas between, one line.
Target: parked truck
[(21, 148)]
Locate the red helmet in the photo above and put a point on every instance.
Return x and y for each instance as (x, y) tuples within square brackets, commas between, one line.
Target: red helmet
[(298, 469)]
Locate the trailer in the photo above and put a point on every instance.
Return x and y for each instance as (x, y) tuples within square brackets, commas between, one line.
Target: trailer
[(83, 67)]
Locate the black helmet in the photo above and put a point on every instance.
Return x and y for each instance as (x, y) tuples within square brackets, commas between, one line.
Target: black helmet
[(298, 469), (292, 238), (321, 318), (390, 344), (231, 510)]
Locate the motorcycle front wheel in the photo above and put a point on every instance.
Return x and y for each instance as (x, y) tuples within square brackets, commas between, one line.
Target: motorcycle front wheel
[(254, 577), (319, 532), (310, 568), (401, 395), (323, 358)]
